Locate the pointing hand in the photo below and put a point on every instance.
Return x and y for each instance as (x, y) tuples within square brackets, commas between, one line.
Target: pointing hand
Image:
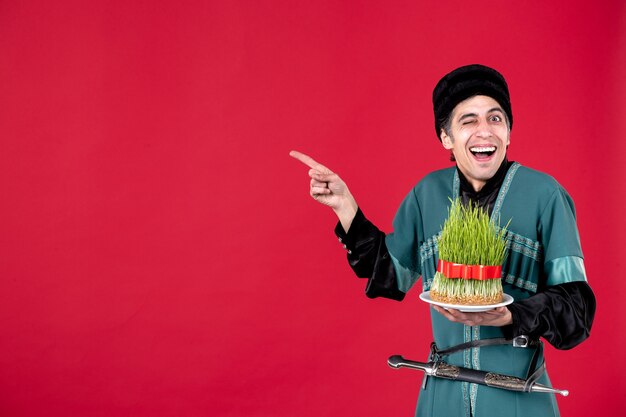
[(328, 188)]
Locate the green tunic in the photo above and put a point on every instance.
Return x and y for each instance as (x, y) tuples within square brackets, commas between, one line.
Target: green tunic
[(543, 250)]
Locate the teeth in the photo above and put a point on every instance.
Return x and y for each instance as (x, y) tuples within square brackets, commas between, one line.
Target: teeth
[(483, 149)]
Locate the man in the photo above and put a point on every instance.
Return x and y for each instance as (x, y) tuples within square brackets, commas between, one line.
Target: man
[(543, 271)]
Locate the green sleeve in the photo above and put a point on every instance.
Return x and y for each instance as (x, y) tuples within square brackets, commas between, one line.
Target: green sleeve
[(403, 243), (563, 257)]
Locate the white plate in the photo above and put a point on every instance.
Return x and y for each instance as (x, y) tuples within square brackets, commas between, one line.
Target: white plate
[(425, 296)]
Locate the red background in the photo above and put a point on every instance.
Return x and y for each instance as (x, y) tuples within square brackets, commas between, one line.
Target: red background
[(159, 253)]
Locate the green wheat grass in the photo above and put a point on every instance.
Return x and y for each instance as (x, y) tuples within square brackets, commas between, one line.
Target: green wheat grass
[(470, 237)]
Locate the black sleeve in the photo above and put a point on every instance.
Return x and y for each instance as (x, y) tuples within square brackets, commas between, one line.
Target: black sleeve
[(562, 314), (369, 258)]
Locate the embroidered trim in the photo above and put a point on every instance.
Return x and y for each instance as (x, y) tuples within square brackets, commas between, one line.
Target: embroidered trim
[(429, 247), (524, 245), (520, 282), (429, 250), (466, 402), (467, 362), (476, 365), (504, 189), (516, 247)]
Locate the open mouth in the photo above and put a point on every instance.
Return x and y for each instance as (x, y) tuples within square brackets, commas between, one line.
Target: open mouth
[(482, 152)]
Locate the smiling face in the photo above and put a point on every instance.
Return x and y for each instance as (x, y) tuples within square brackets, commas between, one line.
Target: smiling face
[(478, 137)]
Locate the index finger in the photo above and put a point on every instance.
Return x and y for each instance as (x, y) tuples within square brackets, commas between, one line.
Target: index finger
[(307, 160)]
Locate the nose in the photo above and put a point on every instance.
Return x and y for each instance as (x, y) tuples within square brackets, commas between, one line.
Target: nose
[(483, 129)]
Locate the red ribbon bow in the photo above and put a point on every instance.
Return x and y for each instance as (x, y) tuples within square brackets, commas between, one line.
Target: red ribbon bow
[(480, 272)]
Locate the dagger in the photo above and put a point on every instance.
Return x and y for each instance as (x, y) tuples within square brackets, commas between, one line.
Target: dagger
[(442, 369)]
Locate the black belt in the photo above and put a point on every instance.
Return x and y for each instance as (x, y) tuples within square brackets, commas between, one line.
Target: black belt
[(523, 341)]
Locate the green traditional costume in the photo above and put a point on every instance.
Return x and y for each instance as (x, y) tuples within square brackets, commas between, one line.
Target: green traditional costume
[(544, 250), (543, 272)]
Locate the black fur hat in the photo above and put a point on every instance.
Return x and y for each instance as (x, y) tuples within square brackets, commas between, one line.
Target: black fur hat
[(466, 82)]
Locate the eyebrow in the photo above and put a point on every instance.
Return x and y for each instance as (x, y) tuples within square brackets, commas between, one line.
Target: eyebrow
[(467, 116)]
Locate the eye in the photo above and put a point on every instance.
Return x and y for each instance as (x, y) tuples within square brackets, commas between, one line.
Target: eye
[(496, 118)]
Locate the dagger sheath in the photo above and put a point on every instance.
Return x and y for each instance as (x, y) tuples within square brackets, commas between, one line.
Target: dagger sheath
[(444, 370)]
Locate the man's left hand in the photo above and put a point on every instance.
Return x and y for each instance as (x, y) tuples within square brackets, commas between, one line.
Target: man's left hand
[(497, 317)]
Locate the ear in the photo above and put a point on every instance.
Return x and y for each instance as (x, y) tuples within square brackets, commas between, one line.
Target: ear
[(446, 140)]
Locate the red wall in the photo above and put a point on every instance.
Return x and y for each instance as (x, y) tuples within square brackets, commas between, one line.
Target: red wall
[(159, 253)]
